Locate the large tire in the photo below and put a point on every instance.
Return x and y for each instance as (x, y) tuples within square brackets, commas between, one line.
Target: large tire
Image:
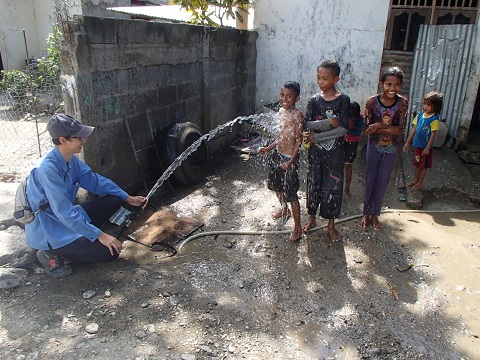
[(193, 168)]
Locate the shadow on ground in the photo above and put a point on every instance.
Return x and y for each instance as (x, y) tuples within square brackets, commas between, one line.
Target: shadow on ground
[(259, 297)]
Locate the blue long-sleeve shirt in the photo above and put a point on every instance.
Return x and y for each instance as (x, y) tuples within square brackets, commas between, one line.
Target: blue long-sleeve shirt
[(54, 181)]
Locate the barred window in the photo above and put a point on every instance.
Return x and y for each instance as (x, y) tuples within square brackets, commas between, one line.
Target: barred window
[(438, 3), (406, 16)]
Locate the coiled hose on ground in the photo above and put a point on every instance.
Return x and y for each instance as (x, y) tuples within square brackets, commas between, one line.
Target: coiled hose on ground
[(240, 232)]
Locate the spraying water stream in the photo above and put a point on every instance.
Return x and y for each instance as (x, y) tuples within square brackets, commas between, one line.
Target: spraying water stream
[(310, 305), (264, 123), (267, 122)]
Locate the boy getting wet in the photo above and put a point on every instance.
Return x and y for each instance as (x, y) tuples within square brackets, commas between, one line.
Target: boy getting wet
[(283, 174), (327, 121)]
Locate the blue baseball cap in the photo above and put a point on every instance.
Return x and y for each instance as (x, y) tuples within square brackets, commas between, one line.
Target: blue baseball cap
[(61, 125)]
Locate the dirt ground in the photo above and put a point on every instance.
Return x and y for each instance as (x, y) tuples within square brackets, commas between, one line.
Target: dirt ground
[(409, 291)]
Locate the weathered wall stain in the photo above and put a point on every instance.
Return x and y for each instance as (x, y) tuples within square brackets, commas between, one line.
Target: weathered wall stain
[(311, 31), (113, 106)]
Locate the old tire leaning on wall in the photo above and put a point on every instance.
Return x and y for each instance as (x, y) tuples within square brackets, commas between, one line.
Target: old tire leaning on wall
[(193, 168)]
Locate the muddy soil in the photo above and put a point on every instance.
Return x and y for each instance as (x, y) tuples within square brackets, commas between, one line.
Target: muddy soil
[(406, 292)]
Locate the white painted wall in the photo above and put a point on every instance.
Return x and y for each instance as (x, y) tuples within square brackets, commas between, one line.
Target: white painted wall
[(36, 17), (296, 36), (44, 19), (14, 17)]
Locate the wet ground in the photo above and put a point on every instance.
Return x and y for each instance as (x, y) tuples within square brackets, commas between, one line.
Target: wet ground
[(406, 292)]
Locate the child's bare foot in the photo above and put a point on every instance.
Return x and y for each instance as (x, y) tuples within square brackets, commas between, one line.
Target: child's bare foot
[(364, 221), (285, 213), (417, 186), (309, 225), (411, 184), (297, 235), (334, 234), (346, 194), (375, 224)]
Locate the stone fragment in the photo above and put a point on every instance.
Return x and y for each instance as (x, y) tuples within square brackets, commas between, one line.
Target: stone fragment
[(188, 357), (206, 349), (24, 258), (174, 300), (12, 277), (92, 328), (414, 198), (88, 294), (151, 328), (13, 248)]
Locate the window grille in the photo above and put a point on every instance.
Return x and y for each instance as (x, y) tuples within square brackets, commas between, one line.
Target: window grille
[(406, 16), (448, 4)]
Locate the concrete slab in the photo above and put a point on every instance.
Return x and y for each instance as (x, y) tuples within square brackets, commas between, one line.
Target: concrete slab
[(448, 176), (7, 201), (13, 248)]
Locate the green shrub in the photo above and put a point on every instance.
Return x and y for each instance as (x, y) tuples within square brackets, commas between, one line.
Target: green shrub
[(50, 66), (44, 76), (16, 83), (203, 15)]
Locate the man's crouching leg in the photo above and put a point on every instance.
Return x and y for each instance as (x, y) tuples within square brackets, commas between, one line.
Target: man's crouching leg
[(53, 264), (83, 250)]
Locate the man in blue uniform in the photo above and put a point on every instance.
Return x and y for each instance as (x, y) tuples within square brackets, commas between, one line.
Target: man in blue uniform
[(64, 231)]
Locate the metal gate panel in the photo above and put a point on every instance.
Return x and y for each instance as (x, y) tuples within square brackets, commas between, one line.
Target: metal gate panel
[(442, 60)]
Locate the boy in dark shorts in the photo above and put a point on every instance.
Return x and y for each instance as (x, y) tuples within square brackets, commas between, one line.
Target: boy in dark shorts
[(283, 174), (327, 121), (352, 137)]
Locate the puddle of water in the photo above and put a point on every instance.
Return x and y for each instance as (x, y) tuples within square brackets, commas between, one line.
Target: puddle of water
[(316, 341), (142, 255)]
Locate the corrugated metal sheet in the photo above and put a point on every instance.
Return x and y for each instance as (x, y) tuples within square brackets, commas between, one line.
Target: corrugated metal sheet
[(442, 61)]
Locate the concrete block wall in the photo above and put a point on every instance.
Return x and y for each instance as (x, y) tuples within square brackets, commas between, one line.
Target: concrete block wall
[(118, 71), (232, 62)]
